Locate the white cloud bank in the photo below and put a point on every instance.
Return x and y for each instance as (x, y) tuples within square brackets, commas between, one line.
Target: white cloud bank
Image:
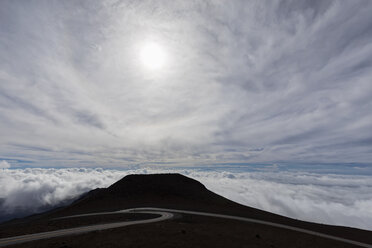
[(4, 165), (32, 190), (332, 199)]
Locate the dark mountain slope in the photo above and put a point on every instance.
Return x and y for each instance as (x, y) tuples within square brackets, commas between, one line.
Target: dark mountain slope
[(180, 192)]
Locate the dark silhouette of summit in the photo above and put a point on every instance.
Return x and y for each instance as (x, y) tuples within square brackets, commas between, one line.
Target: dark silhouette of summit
[(154, 190), (158, 184)]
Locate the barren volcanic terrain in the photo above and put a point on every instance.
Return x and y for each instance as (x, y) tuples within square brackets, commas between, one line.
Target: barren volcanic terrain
[(173, 191)]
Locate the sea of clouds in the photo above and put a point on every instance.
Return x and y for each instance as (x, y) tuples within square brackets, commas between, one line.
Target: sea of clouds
[(331, 199)]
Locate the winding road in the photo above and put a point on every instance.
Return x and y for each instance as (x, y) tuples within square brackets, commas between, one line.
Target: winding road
[(165, 214), (84, 229)]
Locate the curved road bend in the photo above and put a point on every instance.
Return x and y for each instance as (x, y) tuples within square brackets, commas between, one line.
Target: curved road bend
[(165, 214), (83, 229), (268, 223)]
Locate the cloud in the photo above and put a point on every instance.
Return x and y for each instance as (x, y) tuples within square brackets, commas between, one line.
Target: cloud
[(247, 81), (4, 165), (323, 198), (26, 191)]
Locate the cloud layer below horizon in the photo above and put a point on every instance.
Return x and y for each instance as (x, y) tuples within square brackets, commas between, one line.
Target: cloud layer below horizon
[(323, 198), (247, 81)]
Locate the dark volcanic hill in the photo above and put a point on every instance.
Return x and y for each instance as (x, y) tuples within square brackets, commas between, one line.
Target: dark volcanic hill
[(180, 192), (157, 190)]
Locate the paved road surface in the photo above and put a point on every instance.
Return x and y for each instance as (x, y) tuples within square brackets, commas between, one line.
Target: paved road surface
[(164, 215)]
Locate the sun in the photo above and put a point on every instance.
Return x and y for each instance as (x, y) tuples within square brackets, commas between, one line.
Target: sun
[(153, 56)]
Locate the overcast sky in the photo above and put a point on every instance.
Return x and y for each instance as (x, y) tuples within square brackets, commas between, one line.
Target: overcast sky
[(240, 81)]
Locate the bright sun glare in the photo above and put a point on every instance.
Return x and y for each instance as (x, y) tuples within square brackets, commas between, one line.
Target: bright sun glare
[(153, 56)]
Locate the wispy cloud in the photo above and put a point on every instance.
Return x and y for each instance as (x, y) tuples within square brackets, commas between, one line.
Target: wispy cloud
[(246, 81), (324, 198)]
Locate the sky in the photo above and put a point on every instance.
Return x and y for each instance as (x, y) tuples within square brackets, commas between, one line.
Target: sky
[(213, 86), (242, 81)]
